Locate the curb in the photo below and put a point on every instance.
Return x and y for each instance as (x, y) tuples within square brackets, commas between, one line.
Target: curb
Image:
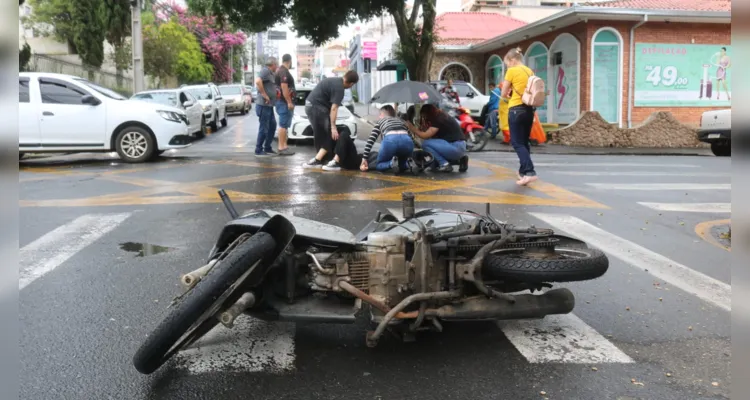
[(535, 150)]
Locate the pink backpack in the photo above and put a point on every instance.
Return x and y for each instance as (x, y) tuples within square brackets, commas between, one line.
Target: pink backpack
[(535, 92)]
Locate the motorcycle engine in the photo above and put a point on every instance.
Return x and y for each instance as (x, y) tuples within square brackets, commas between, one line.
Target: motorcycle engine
[(390, 276)]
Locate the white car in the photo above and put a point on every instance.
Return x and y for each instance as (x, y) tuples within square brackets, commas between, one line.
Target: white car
[(716, 129), (182, 99), (63, 113), (470, 97), (214, 106), (301, 129)]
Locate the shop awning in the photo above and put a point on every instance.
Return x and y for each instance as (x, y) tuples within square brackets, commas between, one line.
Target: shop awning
[(391, 65)]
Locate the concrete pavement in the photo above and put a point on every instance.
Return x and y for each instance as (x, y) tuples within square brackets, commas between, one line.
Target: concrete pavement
[(103, 244)]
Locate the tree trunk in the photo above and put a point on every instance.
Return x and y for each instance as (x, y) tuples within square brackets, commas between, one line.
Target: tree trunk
[(416, 49)]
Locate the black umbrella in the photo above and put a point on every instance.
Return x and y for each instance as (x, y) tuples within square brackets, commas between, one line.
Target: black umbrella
[(407, 92)]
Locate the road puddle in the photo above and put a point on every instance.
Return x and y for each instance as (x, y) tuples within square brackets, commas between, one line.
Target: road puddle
[(145, 249)]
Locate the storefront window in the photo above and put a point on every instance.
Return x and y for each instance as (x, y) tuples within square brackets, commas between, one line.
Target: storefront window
[(606, 75), (495, 69), (564, 103)]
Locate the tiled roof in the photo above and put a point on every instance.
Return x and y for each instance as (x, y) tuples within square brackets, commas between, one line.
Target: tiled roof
[(682, 5), (465, 28)]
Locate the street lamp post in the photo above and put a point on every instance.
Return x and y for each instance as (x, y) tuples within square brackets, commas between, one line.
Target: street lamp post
[(137, 39)]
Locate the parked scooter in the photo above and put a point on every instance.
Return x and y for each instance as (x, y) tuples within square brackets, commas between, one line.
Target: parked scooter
[(476, 136)]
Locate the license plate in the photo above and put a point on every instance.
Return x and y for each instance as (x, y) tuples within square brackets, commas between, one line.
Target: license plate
[(714, 135)]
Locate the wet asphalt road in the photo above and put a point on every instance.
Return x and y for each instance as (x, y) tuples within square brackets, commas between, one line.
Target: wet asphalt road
[(665, 335)]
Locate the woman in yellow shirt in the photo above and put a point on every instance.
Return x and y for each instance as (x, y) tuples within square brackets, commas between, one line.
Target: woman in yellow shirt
[(520, 116)]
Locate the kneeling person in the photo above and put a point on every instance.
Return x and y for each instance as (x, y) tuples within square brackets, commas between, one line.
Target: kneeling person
[(396, 142)]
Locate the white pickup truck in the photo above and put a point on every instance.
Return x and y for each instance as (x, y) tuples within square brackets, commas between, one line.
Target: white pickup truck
[(716, 130)]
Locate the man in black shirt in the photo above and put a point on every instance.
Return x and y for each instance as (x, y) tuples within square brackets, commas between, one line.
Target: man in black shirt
[(322, 107), (285, 92)]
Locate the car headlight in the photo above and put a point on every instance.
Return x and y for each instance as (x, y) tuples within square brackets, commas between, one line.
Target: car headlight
[(171, 116), (206, 107)]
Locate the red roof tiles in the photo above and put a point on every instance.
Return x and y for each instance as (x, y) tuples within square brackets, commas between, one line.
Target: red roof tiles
[(682, 5), (465, 28)]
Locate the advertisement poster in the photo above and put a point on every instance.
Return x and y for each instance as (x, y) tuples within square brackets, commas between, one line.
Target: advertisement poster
[(682, 75), (564, 89), (539, 65), (370, 50), (606, 81)]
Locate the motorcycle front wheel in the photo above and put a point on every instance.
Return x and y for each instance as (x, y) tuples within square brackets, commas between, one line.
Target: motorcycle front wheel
[(196, 313), (481, 138)]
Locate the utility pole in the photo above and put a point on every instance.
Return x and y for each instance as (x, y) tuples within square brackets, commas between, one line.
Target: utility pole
[(137, 39), (252, 60)]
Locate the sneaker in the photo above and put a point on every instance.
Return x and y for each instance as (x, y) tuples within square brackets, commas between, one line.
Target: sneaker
[(313, 163), (286, 152), (526, 180), (332, 166), (445, 168), (270, 152), (463, 164), (262, 154)]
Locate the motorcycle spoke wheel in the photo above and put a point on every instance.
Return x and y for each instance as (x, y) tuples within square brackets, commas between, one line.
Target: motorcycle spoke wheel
[(195, 314), (481, 138)]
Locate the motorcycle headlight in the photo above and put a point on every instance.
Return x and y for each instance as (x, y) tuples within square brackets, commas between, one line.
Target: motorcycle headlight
[(170, 116)]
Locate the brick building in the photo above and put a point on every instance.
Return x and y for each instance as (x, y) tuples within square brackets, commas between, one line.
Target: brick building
[(625, 59)]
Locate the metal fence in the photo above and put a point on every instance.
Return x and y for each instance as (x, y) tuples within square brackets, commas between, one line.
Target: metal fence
[(42, 63)]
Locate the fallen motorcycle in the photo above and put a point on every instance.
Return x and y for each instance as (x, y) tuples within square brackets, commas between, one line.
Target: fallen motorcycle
[(413, 272)]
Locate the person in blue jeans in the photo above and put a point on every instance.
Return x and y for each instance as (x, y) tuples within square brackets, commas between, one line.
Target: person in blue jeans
[(492, 108), (396, 147), (266, 84), (443, 139)]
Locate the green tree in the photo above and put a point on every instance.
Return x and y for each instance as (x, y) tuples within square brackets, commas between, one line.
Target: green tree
[(117, 16), (89, 32), (57, 15), (319, 21), (169, 49)]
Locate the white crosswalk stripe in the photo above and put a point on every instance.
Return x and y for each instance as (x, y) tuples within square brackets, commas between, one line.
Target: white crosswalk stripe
[(251, 346), (690, 207), (687, 174), (676, 274), (49, 251), (662, 186), (561, 339)]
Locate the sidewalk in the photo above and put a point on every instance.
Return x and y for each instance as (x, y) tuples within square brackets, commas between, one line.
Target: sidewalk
[(496, 145)]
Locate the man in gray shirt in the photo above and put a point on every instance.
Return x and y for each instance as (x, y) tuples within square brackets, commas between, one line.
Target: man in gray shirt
[(266, 85), (322, 107)]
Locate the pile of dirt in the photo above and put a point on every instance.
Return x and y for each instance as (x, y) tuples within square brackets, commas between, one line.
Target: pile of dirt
[(660, 130)]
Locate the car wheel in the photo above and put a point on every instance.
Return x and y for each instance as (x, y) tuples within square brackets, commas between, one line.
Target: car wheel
[(215, 123), (722, 149), (135, 144), (202, 132)]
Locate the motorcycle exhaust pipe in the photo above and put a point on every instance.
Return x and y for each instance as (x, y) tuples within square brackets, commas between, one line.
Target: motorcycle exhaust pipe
[(527, 306), (189, 279), (246, 301), (407, 205)]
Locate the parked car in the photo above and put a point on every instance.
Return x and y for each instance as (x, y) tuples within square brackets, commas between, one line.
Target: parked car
[(64, 113), (237, 98), (182, 99), (214, 107), (301, 129), (469, 96), (716, 130)]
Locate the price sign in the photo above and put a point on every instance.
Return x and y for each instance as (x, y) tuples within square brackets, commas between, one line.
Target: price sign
[(677, 75)]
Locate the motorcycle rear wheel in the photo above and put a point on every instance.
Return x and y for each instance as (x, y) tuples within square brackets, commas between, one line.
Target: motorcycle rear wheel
[(482, 137), (561, 264), (195, 314)]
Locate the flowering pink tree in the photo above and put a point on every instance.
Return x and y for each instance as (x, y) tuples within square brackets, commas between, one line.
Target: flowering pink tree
[(217, 43)]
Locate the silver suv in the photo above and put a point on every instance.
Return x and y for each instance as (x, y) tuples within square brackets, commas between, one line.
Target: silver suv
[(213, 104)]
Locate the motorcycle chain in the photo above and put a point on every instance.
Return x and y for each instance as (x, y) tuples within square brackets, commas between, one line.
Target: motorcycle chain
[(547, 242)]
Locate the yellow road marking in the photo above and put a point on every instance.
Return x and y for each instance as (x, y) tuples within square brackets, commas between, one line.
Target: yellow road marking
[(467, 190), (704, 231)]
